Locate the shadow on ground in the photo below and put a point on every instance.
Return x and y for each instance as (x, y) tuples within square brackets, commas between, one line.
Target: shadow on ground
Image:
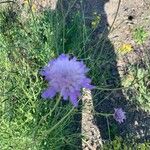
[(136, 125)]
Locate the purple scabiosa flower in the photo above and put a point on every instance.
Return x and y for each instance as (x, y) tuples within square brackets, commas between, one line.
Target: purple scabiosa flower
[(67, 77), (119, 115)]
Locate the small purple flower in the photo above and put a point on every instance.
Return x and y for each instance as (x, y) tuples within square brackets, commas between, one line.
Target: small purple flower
[(119, 115), (67, 77)]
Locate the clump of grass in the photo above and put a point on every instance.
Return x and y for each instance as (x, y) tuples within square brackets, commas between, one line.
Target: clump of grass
[(22, 110), (138, 80), (140, 35), (118, 143)]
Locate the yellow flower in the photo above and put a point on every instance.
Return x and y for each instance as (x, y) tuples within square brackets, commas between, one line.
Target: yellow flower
[(30, 4), (125, 48), (33, 7), (26, 1)]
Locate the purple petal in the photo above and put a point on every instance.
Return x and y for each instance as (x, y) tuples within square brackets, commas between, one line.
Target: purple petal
[(64, 94), (49, 93), (74, 59), (86, 84), (67, 76), (73, 99), (119, 115), (63, 57), (90, 87), (51, 62), (85, 69)]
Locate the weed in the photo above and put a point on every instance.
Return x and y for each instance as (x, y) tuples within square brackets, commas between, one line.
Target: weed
[(140, 35)]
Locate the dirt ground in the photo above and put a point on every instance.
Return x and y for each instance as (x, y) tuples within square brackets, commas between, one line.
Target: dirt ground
[(131, 14)]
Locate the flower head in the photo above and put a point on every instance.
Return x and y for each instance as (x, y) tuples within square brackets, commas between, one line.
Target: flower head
[(125, 48), (119, 115), (67, 77)]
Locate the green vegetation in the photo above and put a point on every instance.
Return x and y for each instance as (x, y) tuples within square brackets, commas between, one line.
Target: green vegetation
[(139, 79), (119, 144), (140, 35), (27, 122)]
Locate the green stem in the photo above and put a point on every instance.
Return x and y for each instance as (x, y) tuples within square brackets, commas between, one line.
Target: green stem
[(104, 114), (7, 2), (110, 89), (58, 123), (56, 104), (108, 126), (118, 7), (50, 113)]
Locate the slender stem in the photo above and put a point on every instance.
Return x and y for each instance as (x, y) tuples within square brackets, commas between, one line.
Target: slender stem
[(104, 114), (7, 2), (50, 113), (70, 8), (56, 104), (58, 123), (64, 24), (118, 7), (108, 128), (111, 27), (110, 89)]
